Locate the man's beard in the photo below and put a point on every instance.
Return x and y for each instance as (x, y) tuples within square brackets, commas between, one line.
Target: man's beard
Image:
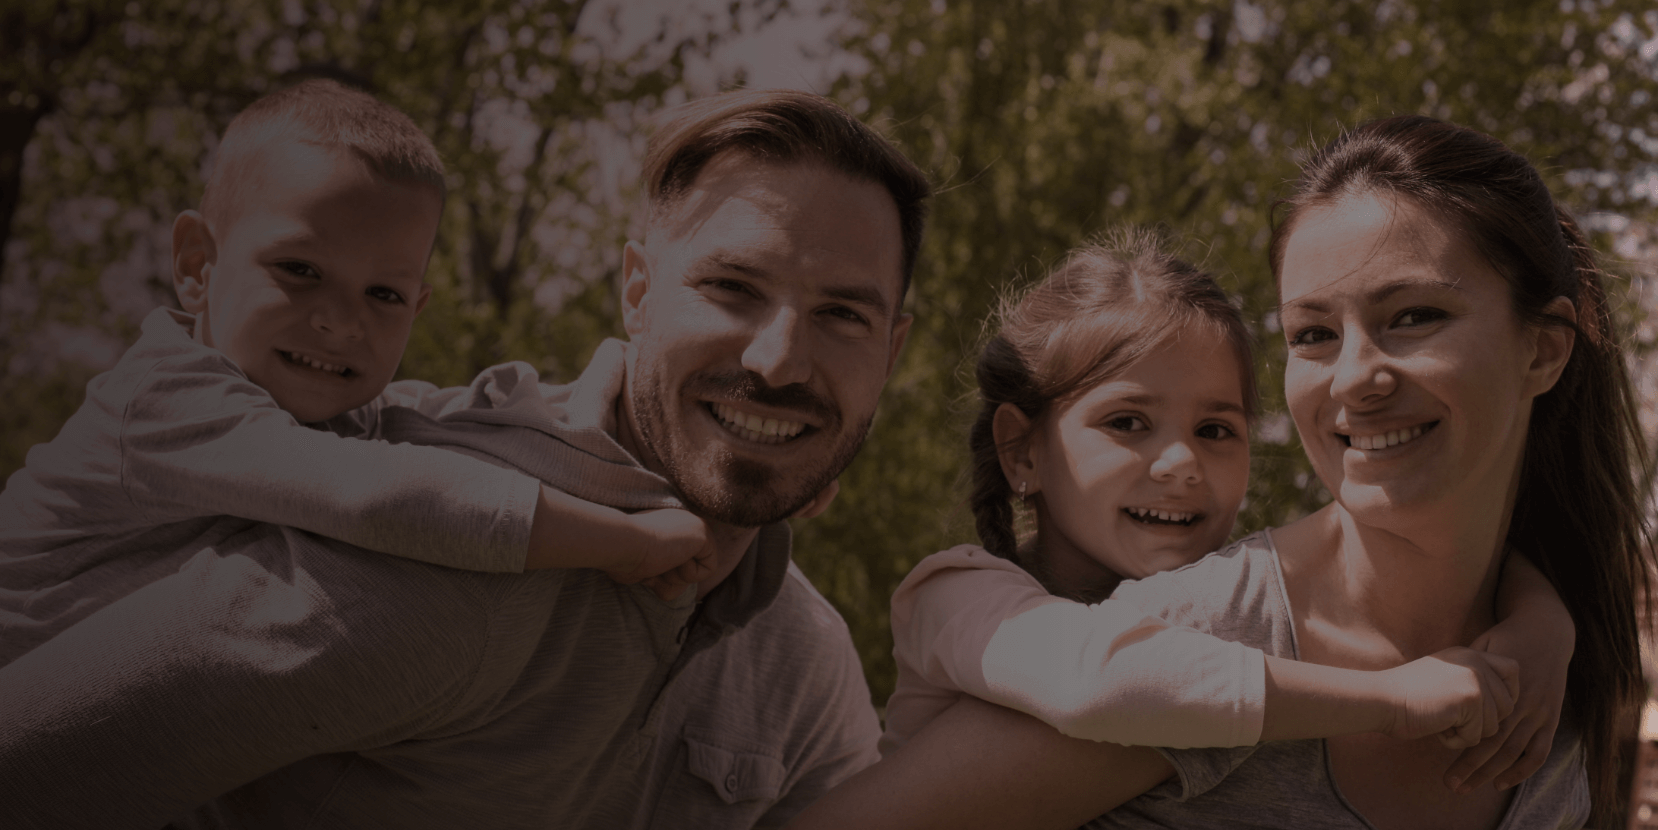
[(718, 485)]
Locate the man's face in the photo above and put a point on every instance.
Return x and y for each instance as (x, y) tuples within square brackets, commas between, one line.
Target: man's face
[(763, 314)]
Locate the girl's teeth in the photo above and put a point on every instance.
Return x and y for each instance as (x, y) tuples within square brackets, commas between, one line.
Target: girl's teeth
[(1161, 515), (756, 428)]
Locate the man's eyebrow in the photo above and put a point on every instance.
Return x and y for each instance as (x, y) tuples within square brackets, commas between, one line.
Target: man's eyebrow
[(1377, 295), (860, 295)]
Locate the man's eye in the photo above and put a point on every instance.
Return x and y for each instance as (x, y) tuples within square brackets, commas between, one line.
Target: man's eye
[(845, 313), (1420, 316), (733, 286)]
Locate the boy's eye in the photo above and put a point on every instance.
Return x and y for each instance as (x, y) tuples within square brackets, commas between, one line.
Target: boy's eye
[(384, 294), (299, 269)]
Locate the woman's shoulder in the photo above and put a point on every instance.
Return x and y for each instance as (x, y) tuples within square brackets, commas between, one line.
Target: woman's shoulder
[(1235, 593)]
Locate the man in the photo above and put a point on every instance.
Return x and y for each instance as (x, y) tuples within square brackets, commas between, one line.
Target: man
[(288, 680)]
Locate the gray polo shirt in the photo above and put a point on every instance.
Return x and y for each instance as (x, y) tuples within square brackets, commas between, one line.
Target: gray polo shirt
[(260, 676)]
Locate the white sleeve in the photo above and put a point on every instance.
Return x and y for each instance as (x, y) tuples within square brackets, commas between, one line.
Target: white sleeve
[(1105, 672)]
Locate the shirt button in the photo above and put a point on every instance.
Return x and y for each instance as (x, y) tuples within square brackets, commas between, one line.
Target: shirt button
[(731, 783)]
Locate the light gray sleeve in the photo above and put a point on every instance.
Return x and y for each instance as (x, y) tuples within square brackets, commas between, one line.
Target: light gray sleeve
[(197, 440), (248, 659)]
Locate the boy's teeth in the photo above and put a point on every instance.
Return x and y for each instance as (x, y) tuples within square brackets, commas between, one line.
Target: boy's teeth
[(754, 427), (1386, 439), (312, 362)]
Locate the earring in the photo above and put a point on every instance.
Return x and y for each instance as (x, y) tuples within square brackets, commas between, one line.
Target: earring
[(1023, 485)]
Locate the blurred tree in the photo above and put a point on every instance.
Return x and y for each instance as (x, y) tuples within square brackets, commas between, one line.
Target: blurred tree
[(1046, 121)]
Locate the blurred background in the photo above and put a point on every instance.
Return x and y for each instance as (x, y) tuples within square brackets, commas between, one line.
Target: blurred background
[(1041, 121)]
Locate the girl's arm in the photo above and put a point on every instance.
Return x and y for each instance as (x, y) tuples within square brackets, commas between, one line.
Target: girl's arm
[(1535, 630), (983, 766), (968, 622)]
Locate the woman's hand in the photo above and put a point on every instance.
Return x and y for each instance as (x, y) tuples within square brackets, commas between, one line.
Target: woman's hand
[(1460, 694), (1536, 631)]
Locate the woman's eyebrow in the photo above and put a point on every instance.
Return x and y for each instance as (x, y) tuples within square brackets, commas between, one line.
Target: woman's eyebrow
[(1376, 295)]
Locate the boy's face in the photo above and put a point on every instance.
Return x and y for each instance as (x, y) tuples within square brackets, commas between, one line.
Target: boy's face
[(313, 281)]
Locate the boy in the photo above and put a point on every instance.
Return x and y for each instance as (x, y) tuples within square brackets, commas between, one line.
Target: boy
[(301, 277)]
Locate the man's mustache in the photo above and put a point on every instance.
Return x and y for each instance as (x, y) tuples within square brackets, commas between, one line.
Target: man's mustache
[(738, 385)]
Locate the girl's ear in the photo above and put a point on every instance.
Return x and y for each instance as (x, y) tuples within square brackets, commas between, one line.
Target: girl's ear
[(193, 256), (1011, 429)]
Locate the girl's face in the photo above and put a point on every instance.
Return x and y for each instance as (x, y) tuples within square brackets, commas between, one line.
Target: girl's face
[(1144, 472), (1409, 376)]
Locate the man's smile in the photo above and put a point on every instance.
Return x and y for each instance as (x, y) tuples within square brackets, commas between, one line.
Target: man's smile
[(756, 428)]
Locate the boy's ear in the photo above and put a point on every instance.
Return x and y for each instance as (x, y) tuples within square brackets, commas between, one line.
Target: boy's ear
[(425, 294), (193, 256), (636, 281), (1011, 430)]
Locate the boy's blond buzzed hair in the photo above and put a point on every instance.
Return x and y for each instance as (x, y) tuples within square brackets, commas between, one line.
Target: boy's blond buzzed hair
[(328, 114)]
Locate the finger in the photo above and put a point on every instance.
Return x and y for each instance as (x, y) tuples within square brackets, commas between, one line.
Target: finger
[(1531, 758), (1509, 752), (1474, 760)]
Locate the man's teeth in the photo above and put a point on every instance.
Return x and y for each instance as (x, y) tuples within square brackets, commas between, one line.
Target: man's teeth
[(1386, 439), (754, 427), (307, 360), (1169, 516)]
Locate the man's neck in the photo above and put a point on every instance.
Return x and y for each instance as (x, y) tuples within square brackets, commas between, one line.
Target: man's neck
[(730, 541)]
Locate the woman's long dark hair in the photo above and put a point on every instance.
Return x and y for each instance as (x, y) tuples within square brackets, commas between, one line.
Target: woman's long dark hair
[(1096, 314), (1578, 514)]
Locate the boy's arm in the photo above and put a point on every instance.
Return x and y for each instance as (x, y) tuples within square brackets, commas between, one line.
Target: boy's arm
[(1534, 629), (199, 441)]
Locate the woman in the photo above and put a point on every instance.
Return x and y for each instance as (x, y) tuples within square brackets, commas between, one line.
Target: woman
[(1455, 379)]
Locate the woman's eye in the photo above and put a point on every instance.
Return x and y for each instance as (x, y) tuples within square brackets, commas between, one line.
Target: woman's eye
[(1420, 316), (1310, 335)]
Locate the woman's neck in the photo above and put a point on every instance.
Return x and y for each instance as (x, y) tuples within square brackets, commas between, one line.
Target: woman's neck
[(1373, 597)]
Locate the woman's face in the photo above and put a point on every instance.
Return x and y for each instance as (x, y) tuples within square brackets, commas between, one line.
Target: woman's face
[(1144, 472), (1409, 375)]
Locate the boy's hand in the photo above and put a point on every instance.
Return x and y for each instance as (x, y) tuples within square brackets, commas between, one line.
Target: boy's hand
[(1459, 694), (673, 552)]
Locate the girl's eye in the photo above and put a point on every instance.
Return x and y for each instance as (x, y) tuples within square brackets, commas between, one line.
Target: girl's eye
[(1127, 423), (384, 294), (1420, 316), (1310, 335), (1216, 432)]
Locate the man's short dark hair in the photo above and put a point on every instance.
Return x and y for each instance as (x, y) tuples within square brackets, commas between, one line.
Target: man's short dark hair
[(783, 126)]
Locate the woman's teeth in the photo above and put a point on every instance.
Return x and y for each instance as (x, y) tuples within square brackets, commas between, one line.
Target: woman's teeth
[(1146, 514), (1386, 439), (307, 360), (754, 427)]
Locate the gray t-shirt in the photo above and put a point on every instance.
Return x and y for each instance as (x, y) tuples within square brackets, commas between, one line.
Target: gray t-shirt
[(252, 675), (1238, 594)]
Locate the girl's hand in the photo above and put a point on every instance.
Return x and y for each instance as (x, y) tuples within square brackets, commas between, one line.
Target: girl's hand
[(1459, 694), (1536, 631)]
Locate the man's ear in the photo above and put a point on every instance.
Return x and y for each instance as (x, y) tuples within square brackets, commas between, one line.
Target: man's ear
[(1011, 430), (636, 282), (900, 334), (819, 502), (1553, 347), (193, 256)]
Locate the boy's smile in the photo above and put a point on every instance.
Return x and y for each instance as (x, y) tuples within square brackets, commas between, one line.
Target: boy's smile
[(313, 281)]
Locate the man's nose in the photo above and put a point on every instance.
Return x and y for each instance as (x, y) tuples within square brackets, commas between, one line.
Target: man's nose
[(777, 352)]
